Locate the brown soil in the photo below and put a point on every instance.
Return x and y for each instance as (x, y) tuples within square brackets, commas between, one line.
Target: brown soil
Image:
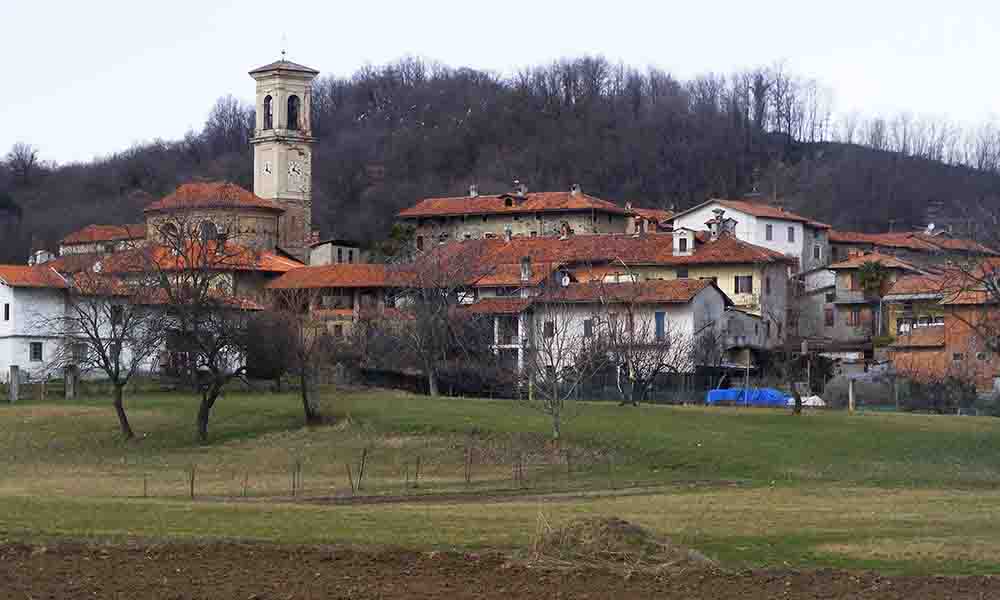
[(68, 571)]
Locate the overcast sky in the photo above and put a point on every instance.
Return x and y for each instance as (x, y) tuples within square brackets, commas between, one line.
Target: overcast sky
[(84, 79)]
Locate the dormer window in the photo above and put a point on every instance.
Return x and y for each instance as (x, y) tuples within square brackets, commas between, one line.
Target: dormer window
[(508, 201), (682, 244)]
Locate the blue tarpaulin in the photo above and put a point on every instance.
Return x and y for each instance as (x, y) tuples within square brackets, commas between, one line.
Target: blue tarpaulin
[(744, 397)]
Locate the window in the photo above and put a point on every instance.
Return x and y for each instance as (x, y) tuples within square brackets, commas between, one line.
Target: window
[(767, 285), (831, 296), (855, 280), (517, 217), (588, 328), (538, 216), (340, 251), (293, 112), (486, 218), (6, 311), (661, 326), (613, 323), (769, 232), (828, 318), (938, 321), (209, 231), (350, 256), (817, 252), (534, 234), (903, 325), (682, 272), (923, 321), (117, 313), (420, 246), (714, 280), (268, 113), (958, 356), (35, 349), (682, 244), (80, 352), (508, 201), (338, 331), (744, 284), (854, 317), (467, 236), (791, 234), (610, 219), (549, 329)]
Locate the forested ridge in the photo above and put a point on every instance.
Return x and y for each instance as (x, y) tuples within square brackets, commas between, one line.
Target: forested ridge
[(390, 135)]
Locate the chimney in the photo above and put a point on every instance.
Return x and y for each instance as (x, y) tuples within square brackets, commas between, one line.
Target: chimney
[(520, 189), (628, 206), (715, 224), (565, 230), (525, 269), (574, 189), (508, 235), (473, 191)]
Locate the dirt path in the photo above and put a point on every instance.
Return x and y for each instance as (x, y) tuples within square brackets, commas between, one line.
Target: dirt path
[(265, 572)]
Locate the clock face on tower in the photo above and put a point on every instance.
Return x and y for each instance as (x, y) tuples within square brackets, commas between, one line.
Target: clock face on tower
[(294, 169), (267, 167)]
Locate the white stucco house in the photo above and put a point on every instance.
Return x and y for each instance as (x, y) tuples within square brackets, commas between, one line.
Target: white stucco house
[(29, 296), (764, 225)]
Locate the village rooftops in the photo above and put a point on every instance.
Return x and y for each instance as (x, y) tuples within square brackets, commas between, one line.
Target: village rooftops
[(512, 203), (230, 257), (889, 262), (758, 209), (655, 291), (915, 241), (631, 249), (343, 275), (40, 276), (214, 194), (106, 233)]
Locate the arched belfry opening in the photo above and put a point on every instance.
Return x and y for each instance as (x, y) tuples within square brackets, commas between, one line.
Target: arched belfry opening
[(293, 112), (268, 113)]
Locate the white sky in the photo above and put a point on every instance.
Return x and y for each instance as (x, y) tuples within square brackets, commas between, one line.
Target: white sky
[(83, 79)]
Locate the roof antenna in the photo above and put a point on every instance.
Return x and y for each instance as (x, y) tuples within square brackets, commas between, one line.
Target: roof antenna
[(284, 46)]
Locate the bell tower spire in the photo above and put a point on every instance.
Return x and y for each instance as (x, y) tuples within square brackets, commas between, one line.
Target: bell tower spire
[(282, 149)]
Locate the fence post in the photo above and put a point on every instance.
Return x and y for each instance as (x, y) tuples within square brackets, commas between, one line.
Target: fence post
[(15, 383), (850, 396), (69, 376)]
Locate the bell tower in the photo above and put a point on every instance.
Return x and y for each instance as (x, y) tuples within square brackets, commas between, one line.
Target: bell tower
[(282, 149)]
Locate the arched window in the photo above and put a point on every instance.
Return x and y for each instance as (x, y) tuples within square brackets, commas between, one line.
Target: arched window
[(209, 232), (293, 112), (268, 113)]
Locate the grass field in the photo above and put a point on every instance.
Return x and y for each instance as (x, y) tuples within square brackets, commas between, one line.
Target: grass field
[(897, 492)]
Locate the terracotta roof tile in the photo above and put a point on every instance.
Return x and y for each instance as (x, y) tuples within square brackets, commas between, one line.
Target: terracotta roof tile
[(531, 203), (106, 233), (509, 274), (284, 65), (653, 214), (214, 194), (890, 262), (758, 209), (499, 306), (234, 258), (350, 275), (38, 276), (916, 284), (670, 291)]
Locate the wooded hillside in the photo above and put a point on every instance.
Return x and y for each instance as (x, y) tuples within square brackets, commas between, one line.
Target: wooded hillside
[(393, 134)]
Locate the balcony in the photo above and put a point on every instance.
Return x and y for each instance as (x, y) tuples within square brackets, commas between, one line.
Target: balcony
[(846, 296)]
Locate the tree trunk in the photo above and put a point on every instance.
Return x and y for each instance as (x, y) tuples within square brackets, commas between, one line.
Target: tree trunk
[(311, 412), (432, 383), (208, 399), (556, 427), (798, 399), (120, 409)]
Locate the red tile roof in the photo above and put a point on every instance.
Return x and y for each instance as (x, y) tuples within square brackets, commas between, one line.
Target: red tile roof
[(889, 262), (653, 214), (349, 275), (284, 65), (649, 249), (917, 241), (106, 233), (669, 291), (233, 258), (917, 284), (921, 337), (508, 275), (39, 276), (499, 306), (214, 194), (532, 203), (758, 209)]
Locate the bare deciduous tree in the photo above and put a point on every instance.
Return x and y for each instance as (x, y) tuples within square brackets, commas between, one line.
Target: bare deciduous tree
[(22, 160)]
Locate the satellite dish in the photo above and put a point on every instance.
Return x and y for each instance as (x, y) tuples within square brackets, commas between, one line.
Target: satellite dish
[(565, 280), (930, 229)]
